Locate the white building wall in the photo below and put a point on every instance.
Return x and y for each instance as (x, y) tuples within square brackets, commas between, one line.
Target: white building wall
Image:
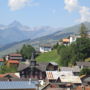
[(43, 49)]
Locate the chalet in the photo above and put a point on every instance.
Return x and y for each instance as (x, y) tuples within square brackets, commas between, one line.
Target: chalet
[(45, 48), (1, 61), (35, 70), (14, 57), (83, 64), (12, 63)]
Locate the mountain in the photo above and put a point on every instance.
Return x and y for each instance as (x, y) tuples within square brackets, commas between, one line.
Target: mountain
[(16, 32), (52, 39)]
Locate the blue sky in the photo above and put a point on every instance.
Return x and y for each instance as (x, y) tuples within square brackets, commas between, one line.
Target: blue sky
[(55, 13)]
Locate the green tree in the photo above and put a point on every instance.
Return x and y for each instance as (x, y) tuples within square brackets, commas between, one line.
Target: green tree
[(4, 69), (55, 46), (82, 48), (87, 59), (83, 31), (78, 51), (65, 56), (27, 51), (85, 71)]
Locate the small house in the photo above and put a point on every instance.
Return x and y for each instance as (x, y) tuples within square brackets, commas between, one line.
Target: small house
[(14, 56), (12, 63), (62, 77), (82, 65), (45, 48), (66, 41)]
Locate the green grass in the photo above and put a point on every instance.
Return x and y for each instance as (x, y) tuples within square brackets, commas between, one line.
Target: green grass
[(48, 57)]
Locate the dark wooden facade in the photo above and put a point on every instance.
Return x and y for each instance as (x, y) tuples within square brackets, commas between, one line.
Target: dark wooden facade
[(36, 70), (32, 73), (51, 67)]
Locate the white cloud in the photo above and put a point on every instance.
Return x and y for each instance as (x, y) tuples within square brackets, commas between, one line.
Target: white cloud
[(18, 4), (83, 11), (70, 5), (84, 14)]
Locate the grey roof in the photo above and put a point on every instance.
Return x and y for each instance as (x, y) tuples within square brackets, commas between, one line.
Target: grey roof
[(73, 69), (17, 85), (22, 66), (41, 66), (87, 64), (87, 79)]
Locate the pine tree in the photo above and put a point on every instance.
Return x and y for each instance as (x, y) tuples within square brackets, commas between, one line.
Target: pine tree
[(83, 31)]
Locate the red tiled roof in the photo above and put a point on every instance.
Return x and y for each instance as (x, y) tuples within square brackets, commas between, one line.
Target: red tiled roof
[(1, 60), (15, 54), (66, 40), (13, 61)]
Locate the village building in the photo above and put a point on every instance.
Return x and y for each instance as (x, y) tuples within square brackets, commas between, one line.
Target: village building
[(12, 63), (75, 70), (35, 70), (69, 40), (85, 79), (62, 77), (1, 61), (61, 80), (82, 65), (65, 41), (57, 86), (45, 48), (14, 56)]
